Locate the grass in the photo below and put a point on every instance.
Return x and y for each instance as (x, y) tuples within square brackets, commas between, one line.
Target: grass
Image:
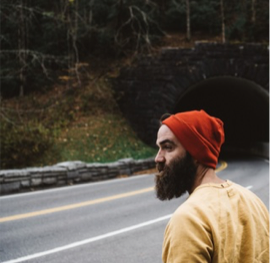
[(104, 138), (99, 132)]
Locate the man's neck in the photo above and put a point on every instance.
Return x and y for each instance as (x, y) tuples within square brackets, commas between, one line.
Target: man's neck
[(205, 175)]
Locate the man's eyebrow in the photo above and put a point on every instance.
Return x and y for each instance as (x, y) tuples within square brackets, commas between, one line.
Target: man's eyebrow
[(166, 141)]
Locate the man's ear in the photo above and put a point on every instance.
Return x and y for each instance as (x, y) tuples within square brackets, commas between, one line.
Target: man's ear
[(196, 162)]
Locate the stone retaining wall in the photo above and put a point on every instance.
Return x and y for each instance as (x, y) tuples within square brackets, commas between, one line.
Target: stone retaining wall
[(68, 173)]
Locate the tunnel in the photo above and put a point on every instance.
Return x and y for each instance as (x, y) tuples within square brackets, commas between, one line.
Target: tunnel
[(228, 81), (241, 104)]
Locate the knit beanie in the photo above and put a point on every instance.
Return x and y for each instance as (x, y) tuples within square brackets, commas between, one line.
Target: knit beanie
[(200, 134)]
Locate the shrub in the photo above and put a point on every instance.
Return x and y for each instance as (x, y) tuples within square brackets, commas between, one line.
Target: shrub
[(21, 145)]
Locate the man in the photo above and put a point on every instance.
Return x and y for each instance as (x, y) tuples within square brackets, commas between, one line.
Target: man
[(220, 221)]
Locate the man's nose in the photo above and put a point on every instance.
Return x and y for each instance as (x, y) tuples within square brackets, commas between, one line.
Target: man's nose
[(159, 157)]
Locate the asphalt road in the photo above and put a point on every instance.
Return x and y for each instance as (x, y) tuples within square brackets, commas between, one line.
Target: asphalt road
[(119, 220)]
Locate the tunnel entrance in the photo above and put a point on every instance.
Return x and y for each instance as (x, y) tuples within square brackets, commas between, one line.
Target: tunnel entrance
[(241, 104), (229, 81)]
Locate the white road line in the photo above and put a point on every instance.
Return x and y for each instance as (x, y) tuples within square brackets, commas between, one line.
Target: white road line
[(249, 187), (87, 241)]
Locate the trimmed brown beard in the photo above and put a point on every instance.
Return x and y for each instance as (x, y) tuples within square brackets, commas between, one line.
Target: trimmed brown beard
[(175, 179)]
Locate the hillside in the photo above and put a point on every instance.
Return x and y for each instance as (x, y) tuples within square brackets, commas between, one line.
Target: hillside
[(77, 119)]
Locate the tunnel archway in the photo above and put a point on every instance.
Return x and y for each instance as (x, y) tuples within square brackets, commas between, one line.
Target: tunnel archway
[(229, 81), (241, 104)]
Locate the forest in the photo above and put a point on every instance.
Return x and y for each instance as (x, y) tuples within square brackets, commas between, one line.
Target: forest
[(56, 58)]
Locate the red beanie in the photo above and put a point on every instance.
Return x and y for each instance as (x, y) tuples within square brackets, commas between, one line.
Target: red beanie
[(199, 133)]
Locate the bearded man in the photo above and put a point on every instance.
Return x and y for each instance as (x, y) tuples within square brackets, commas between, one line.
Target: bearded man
[(220, 221)]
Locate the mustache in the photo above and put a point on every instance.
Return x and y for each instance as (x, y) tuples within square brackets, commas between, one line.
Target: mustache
[(160, 167)]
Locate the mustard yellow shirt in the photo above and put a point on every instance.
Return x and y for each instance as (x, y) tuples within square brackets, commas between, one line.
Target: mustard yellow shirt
[(218, 223)]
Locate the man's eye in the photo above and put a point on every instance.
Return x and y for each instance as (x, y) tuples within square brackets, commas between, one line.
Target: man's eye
[(167, 147)]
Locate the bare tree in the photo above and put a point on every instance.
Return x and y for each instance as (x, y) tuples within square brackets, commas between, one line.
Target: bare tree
[(73, 15), (135, 29), (188, 20), (22, 35), (74, 42), (120, 13), (223, 26), (253, 11)]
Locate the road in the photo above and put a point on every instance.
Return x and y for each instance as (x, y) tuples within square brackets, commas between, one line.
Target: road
[(118, 220)]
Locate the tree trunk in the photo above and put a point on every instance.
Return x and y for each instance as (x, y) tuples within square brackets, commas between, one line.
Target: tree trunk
[(74, 42), (22, 47), (188, 20), (253, 11), (120, 13), (223, 26)]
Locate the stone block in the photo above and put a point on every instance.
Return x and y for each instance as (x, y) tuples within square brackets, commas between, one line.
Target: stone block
[(25, 183), (49, 180), (61, 182), (71, 165), (72, 174), (36, 181), (9, 187), (86, 176)]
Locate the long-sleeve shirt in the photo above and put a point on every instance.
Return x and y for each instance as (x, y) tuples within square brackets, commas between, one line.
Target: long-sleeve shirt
[(218, 223)]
